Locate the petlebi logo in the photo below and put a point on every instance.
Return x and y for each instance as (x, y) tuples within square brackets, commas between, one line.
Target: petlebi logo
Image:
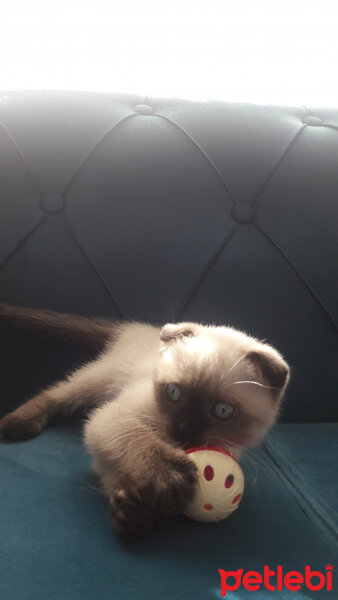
[(276, 579)]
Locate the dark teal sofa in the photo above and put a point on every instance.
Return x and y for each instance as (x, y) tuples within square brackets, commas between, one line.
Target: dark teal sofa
[(167, 210)]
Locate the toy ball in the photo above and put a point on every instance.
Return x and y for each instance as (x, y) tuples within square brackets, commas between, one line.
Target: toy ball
[(220, 484)]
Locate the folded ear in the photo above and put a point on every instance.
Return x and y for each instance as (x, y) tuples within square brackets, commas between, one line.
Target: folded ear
[(175, 331), (271, 368)]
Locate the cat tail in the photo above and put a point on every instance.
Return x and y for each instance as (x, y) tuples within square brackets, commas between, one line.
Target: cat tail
[(94, 332)]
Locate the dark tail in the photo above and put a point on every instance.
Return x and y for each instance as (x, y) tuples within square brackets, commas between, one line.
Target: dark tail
[(75, 329)]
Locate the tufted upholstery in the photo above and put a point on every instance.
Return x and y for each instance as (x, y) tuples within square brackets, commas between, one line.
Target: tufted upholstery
[(163, 210)]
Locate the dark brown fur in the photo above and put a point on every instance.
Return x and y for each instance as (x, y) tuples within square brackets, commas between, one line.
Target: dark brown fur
[(64, 327)]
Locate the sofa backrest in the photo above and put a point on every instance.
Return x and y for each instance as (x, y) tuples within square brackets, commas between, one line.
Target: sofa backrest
[(168, 210)]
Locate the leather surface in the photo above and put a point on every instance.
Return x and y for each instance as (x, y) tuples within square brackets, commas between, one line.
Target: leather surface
[(215, 212)]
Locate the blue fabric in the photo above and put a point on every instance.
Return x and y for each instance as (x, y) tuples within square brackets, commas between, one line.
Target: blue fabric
[(306, 456), (57, 542)]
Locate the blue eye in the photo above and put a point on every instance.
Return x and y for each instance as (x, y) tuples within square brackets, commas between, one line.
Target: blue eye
[(222, 410), (174, 392)]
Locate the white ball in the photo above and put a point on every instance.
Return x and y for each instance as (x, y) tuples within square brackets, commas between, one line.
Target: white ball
[(220, 484)]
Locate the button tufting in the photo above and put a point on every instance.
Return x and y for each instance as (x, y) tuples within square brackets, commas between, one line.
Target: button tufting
[(243, 213), (312, 120), (52, 202), (144, 109)]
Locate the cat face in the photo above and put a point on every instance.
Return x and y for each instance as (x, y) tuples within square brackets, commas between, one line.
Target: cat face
[(217, 385)]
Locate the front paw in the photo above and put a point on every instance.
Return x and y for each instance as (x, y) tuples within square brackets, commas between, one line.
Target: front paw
[(14, 427), (166, 489), (172, 484), (130, 516), (167, 485)]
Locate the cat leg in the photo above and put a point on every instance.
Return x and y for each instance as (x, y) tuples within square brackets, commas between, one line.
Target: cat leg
[(129, 513), (137, 501), (145, 484), (83, 388), (141, 473)]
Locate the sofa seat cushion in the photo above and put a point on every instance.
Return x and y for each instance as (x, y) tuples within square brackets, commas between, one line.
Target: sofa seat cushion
[(306, 457), (57, 541)]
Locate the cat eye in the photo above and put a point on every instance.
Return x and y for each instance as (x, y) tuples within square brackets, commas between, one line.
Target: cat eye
[(174, 392), (222, 410)]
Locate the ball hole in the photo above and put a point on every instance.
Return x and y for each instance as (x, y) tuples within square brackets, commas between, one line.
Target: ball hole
[(229, 481), (208, 473), (237, 498)]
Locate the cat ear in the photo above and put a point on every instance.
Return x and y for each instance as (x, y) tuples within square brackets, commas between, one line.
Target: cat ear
[(175, 331), (271, 368)]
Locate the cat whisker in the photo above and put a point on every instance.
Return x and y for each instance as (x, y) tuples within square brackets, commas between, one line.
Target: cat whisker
[(247, 458), (90, 486), (134, 432), (263, 464), (137, 417), (268, 387), (226, 444), (235, 364)]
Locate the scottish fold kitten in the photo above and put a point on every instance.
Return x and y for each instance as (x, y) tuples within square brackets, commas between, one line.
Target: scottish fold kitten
[(152, 393)]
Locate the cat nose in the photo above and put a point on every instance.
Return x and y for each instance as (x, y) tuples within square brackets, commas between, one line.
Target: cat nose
[(188, 427)]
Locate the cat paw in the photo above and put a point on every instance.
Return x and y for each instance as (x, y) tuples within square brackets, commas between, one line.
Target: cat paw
[(13, 427), (165, 488), (173, 486), (169, 483), (130, 517)]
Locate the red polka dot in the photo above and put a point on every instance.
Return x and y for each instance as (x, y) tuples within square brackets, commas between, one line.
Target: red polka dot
[(237, 498), (208, 507), (229, 481), (208, 473)]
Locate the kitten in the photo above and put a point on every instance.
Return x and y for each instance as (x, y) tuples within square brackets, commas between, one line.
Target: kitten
[(152, 393)]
